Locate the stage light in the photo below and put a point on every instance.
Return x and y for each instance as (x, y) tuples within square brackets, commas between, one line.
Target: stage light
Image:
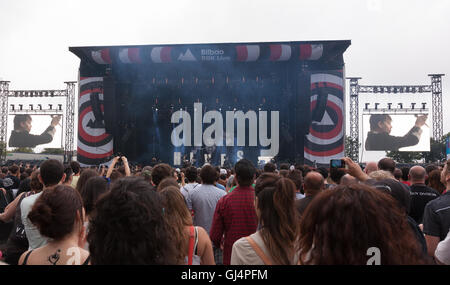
[(376, 106), (12, 107), (401, 105), (367, 106), (60, 107), (40, 107), (31, 107), (50, 106), (423, 105), (413, 105), (389, 105), (20, 107)]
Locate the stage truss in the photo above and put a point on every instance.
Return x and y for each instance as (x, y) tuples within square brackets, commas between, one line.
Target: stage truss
[(435, 88), (68, 93)]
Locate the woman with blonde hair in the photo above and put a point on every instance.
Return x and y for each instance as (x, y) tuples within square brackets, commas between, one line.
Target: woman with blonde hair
[(193, 244)]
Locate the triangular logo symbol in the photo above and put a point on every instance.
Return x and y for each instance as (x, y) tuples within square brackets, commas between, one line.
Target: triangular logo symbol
[(187, 56), (326, 120)]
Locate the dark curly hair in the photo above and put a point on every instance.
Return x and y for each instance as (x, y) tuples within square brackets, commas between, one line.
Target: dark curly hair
[(128, 227), (341, 224), (55, 212)]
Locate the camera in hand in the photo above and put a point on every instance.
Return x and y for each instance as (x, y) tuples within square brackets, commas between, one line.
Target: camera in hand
[(337, 163)]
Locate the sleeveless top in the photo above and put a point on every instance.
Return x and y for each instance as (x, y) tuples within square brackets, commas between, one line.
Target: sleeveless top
[(193, 258), (86, 262)]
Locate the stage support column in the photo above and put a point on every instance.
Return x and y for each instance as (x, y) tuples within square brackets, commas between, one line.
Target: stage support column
[(354, 118), (70, 121), (4, 88), (436, 89)]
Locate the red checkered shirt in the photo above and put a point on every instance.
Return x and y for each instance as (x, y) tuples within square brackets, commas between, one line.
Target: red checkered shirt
[(234, 218)]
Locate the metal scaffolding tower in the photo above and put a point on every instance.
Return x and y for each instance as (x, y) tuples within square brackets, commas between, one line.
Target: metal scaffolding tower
[(70, 120), (354, 118), (4, 88), (69, 93)]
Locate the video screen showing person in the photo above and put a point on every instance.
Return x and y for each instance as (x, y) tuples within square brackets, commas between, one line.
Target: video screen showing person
[(37, 130), (388, 132)]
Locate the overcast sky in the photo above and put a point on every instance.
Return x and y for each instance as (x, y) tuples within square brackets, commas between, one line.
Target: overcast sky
[(393, 42)]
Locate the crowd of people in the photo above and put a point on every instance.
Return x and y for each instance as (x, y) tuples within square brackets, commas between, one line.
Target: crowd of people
[(55, 214)]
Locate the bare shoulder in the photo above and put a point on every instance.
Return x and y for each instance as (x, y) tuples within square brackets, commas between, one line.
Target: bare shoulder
[(202, 234), (22, 257)]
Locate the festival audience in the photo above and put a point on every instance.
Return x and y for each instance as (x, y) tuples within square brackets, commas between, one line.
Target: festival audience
[(193, 244), (405, 176), (420, 193), (161, 171), (166, 182), (340, 226), (434, 181), (85, 175), (235, 214), (69, 175), (313, 185), (76, 169), (59, 216), (442, 253), (51, 174), (128, 227), (387, 164), (403, 198), (370, 167), (17, 242), (436, 217), (254, 222), (296, 176), (204, 198), (276, 240)]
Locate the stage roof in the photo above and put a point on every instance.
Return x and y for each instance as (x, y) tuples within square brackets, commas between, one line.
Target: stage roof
[(325, 52)]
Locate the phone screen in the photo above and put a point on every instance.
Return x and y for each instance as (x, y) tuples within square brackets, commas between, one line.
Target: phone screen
[(337, 163)]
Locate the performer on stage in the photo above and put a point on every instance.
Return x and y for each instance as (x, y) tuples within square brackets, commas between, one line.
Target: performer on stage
[(380, 127), (21, 137)]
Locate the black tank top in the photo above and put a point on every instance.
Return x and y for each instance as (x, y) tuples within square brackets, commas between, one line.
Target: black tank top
[(86, 262)]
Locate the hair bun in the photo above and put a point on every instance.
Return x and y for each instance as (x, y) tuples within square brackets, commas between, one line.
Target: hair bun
[(41, 215)]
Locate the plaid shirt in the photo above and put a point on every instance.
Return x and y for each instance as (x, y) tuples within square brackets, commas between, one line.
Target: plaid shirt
[(234, 218)]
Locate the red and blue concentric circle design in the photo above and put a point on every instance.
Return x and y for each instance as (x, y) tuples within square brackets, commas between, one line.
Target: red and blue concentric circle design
[(325, 140), (95, 146)]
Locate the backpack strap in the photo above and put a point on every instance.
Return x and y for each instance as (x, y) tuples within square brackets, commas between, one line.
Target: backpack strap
[(191, 245), (259, 251)]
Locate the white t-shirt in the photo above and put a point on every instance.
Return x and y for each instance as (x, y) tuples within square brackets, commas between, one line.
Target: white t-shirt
[(35, 240), (442, 252)]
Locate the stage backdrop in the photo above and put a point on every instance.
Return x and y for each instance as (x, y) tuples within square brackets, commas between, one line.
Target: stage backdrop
[(213, 103)]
